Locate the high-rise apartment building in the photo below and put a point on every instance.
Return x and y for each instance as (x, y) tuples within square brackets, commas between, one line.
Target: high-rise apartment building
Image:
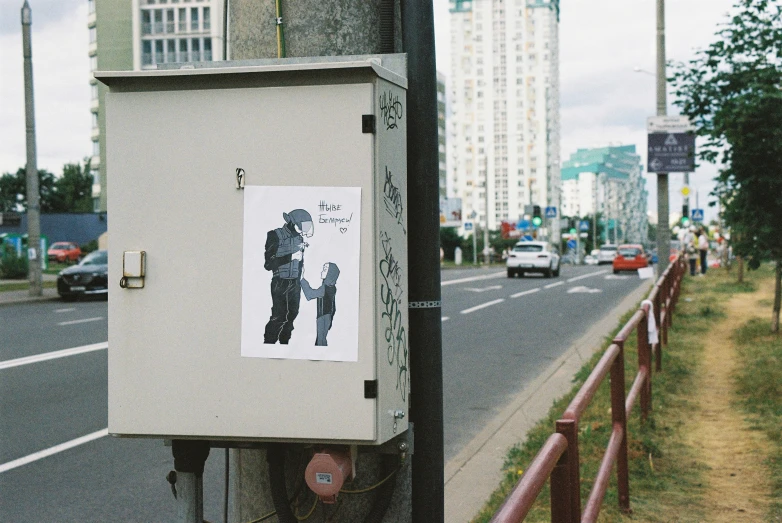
[(441, 135), (505, 107), (609, 181), (142, 34)]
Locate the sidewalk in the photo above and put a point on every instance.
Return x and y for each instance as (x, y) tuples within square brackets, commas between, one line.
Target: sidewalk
[(23, 296)]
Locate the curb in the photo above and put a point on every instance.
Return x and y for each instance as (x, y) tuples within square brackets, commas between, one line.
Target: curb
[(475, 472)]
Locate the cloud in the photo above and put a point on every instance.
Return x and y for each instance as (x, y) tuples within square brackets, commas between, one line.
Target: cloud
[(62, 94), (45, 13)]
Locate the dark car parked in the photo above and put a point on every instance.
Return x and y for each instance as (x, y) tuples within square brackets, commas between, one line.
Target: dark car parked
[(90, 276)]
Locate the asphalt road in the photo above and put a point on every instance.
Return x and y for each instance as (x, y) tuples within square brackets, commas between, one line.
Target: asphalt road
[(498, 334)]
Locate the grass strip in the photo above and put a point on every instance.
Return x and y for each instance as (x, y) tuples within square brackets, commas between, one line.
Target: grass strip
[(665, 476), (24, 285)]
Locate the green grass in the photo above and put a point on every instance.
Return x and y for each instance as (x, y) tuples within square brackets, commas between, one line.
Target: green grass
[(665, 478), (24, 285), (759, 384)]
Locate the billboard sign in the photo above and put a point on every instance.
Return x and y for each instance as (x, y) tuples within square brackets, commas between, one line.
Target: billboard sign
[(450, 212)]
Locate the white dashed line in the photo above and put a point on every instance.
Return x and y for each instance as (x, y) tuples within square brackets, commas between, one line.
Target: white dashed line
[(74, 322), (473, 278), (586, 276), (519, 294), (445, 318), (5, 467), (53, 355), (551, 285), (483, 306), (65, 310)]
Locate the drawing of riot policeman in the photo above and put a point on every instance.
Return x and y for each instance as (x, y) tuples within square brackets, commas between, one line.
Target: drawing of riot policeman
[(284, 256)]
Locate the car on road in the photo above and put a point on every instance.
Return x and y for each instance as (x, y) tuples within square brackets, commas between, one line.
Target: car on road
[(630, 257), (590, 259), (532, 257), (64, 252), (90, 276), (606, 254)]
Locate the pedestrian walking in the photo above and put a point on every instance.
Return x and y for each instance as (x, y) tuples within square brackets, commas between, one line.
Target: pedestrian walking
[(691, 249), (703, 248)]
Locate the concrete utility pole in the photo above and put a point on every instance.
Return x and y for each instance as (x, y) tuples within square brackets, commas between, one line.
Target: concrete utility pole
[(360, 27), (663, 234), (31, 170)]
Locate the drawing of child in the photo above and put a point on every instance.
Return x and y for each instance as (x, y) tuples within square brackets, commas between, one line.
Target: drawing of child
[(326, 295)]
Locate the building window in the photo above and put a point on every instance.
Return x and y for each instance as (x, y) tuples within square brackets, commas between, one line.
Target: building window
[(93, 35), (96, 148), (158, 15), (207, 49), (207, 21), (91, 6), (195, 50), (94, 91), (171, 51), (93, 63), (146, 52), (146, 22), (94, 120), (182, 20), (194, 19), (159, 55), (183, 50), (170, 21)]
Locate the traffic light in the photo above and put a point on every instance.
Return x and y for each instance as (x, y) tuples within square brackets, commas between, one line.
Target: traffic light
[(685, 215), (537, 218)]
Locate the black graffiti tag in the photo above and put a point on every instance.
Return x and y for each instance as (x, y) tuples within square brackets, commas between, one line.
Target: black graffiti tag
[(392, 199), (391, 317), (390, 109)]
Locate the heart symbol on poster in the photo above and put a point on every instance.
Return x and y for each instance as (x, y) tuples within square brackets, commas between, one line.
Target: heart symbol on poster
[(343, 230)]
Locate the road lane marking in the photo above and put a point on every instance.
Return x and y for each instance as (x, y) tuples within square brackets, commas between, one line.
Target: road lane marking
[(74, 322), (482, 306), (524, 293), (474, 278), (551, 285), (66, 310), (582, 289), (484, 289), (616, 277), (53, 355), (445, 318), (5, 467), (576, 278)]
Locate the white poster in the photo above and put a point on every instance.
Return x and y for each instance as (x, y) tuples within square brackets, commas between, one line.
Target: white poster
[(300, 272)]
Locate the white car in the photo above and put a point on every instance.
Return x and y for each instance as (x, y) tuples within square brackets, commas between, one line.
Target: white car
[(607, 254), (532, 257)]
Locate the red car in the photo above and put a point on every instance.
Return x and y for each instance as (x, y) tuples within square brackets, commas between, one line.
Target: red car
[(64, 252), (630, 257)]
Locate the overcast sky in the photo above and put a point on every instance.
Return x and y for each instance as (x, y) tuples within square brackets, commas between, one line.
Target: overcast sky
[(603, 101)]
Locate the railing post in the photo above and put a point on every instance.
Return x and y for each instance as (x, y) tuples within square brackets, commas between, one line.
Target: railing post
[(644, 362), (659, 357), (619, 416), (560, 487), (569, 429)]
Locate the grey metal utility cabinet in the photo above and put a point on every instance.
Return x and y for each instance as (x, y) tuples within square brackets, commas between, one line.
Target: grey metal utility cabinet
[(206, 167)]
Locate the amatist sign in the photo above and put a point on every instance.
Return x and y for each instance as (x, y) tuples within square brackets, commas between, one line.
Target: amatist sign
[(671, 152)]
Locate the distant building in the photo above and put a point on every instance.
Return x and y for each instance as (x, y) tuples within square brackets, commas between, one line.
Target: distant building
[(505, 107), (442, 135), (141, 34), (609, 181)]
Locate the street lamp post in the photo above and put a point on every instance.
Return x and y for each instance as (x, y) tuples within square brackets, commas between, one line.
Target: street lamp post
[(33, 195), (663, 234)]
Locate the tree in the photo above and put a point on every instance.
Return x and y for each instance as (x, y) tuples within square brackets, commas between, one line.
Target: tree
[(71, 192), (731, 92)]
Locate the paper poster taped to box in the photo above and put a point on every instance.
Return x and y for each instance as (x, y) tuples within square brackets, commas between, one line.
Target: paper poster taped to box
[(300, 272)]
